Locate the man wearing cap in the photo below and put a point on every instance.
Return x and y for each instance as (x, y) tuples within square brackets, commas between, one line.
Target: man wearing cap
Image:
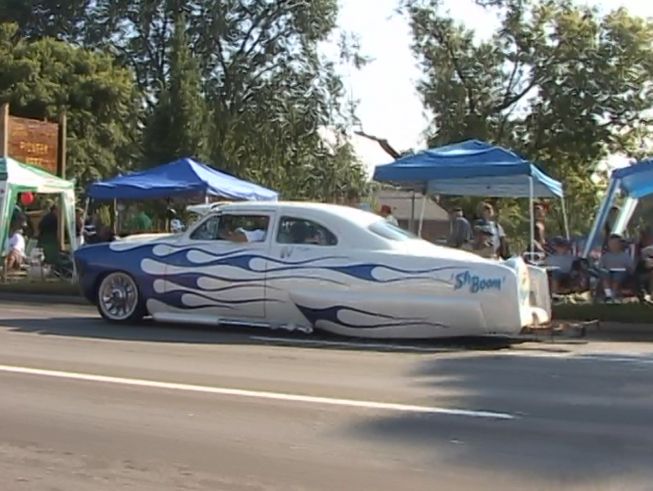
[(386, 212), (460, 231), (481, 245)]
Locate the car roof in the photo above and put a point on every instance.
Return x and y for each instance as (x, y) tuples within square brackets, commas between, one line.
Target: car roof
[(342, 211)]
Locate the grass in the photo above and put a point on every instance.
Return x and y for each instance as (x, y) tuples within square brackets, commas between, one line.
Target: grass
[(40, 288), (630, 313)]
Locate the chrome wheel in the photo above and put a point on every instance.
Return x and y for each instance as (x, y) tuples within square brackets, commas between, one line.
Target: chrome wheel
[(118, 297)]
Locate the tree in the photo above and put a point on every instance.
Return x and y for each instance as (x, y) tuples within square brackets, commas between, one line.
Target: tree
[(46, 18), (178, 123), (557, 82), (41, 79), (266, 86)]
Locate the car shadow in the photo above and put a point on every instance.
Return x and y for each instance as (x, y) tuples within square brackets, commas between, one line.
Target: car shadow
[(574, 419), (150, 331)]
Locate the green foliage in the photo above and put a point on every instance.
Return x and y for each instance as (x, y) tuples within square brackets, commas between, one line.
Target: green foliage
[(557, 82), (177, 125), (46, 18), (267, 89), (44, 78), (247, 73)]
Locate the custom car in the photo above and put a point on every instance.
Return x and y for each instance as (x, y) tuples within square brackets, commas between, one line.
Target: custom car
[(306, 266)]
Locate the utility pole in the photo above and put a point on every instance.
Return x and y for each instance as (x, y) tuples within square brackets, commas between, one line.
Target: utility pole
[(61, 172)]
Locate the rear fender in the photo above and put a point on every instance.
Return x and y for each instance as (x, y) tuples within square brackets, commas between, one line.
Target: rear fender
[(539, 294), (533, 292)]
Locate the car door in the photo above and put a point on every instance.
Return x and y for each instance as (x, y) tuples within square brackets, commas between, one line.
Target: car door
[(218, 273), (302, 252)]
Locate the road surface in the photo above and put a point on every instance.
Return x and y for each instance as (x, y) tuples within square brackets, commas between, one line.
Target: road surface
[(90, 406)]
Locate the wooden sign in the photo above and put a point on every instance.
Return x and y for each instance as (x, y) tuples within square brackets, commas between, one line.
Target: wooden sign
[(34, 142)]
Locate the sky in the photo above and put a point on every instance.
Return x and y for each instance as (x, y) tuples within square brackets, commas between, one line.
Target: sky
[(389, 105)]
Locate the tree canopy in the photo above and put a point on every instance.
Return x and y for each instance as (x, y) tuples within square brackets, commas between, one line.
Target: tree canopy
[(558, 82), (177, 125), (44, 78), (240, 83)]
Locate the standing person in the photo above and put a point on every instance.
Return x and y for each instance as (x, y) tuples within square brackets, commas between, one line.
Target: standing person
[(386, 212), (140, 223), (460, 231), (20, 217), (481, 244), (610, 222), (488, 222), (79, 226), (49, 236), (539, 236)]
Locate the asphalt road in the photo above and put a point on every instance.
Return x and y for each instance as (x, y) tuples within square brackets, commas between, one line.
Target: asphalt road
[(89, 406)]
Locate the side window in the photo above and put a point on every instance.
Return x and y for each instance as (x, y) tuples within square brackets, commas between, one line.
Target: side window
[(301, 231), (233, 228), (208, 229)]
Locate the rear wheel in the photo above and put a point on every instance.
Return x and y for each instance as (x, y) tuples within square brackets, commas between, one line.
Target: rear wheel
[(119, 299)]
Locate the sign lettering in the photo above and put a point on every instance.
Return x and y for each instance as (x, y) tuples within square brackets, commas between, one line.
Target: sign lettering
[(34, 142), (476, 283)]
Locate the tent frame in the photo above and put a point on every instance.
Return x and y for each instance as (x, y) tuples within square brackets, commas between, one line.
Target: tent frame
[(472, 168), (626, 213), (40, 182), (531, 213)]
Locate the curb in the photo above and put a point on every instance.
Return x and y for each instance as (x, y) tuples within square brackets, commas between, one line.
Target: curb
[(43, 298)]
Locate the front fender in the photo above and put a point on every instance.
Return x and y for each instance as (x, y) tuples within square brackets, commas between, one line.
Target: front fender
[(93, 262)]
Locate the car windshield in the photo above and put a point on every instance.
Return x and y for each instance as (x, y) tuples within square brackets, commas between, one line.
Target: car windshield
[(386, 230)]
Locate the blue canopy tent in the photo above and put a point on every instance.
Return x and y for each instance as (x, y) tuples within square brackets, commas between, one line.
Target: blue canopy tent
[(635, 182), (472, 168), (179, 178)]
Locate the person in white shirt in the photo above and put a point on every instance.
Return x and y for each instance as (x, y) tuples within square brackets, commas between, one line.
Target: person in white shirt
[(386, 212), (15, 251), (257, 234)]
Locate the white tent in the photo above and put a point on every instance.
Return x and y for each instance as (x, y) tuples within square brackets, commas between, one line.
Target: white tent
[(16, 177)]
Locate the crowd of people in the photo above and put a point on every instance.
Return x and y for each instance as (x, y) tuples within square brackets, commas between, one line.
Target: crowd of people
[(46, 236), (484, 237), (624, 268)]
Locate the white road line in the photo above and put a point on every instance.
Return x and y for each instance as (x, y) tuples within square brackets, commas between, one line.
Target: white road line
[(319, 342), (279, 396)]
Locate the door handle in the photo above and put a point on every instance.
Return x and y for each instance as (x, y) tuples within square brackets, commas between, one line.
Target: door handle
[(286, 252)]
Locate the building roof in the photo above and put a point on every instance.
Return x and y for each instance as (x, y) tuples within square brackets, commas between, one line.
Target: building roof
[(401, 203)]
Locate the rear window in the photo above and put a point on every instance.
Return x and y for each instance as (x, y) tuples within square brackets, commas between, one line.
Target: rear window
[(388, 231)]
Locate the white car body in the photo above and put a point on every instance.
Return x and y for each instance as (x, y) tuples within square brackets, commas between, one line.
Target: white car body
[(375, 282)]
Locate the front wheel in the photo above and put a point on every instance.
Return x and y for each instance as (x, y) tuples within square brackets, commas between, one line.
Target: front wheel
[(119, 299)]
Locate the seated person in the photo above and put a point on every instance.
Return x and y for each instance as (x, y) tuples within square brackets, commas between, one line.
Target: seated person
[(482, 244), (257, 232), (561, 266), (243, 235), (15, 251), (616, 267), (644, 266), (106, 234)]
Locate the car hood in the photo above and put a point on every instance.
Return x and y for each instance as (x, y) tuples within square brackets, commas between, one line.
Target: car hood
[(145, 237), (423, 248)]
